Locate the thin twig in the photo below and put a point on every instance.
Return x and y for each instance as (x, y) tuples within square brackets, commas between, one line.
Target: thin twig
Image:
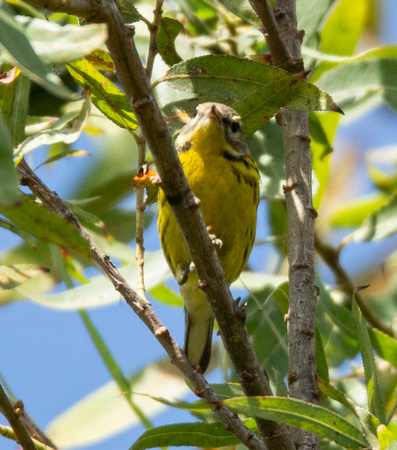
[(331, 256), (139, 233), (153, 30), (11, 414), (9, 433), (281, 55)]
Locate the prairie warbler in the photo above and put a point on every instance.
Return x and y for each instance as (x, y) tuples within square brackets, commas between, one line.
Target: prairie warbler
[(223, 175)]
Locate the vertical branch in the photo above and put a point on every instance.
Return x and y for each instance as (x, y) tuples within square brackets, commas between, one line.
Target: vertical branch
[(139, 220), (140, 140), (301, 217), (153, 29), (284, 41)]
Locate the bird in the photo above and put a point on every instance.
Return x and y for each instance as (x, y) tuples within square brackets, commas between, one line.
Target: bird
[(223, 175)]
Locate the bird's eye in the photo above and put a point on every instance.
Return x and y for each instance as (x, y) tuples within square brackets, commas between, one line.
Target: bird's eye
[(235, 127), (195, 113)]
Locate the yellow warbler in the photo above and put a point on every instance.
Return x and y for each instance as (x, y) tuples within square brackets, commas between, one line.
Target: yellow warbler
[(223, 175)]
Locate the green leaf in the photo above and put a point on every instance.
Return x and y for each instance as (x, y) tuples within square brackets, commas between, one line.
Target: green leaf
[(8, 172), (16, 50), (384, 345), (307, 416), (341, 32), (256, 91), (310, 14), (104, 412), (99, 292), (106, 96), (29, 240), (344, 27), (7, 88), (113, 367), (354, 213), (34, 218), (189, 434), (66, 129), (17, 274), (68, 42), (19, 110), (318, 134), (128, 11), (242, 9), (360, 85), (381, 224), (266, 146), (386, 438), (168, 32), (334, 322), (375, 401), (369, 422), (281, 295), (101, 59), (321, 360), (166, 295)]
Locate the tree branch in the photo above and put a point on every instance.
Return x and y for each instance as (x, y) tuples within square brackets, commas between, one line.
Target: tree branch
[(330, 256), (284, 42), (14, 420)]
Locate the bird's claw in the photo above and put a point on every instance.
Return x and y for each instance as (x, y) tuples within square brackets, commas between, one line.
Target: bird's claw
[(216, 241)]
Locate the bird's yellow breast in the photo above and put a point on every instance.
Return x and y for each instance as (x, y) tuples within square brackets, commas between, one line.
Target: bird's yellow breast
[(229, 193)]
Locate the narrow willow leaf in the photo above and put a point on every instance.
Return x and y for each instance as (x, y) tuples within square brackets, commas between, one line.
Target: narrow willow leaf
[(375, 401), (386, 438), (307, 416), (368, 421), (7, 88), (384, 345), (68, 42), (19, 110), (255, 90), (99, 292), (30, 241), (106, 96), (113, 368), (16, 50), (101, 59), (310, 15), (360, 84), (204, 435), (168, 32), (34, 218), (17, 274), (104, 412), (381, 224), (242, 9), (321, 360), (345, 24), (66, 129), (317, 133), (335, 325), (356, 211), (8, 172), (166, 295)]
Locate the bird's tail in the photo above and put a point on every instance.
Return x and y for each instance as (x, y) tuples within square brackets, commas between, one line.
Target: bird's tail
[(199, 324)]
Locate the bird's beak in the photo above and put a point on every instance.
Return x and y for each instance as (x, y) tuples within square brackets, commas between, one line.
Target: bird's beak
[(214, 114)]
